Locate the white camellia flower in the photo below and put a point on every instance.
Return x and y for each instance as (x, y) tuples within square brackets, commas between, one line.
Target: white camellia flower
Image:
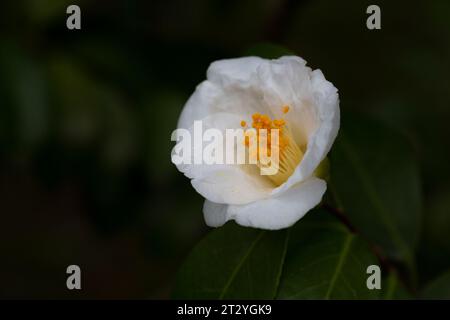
[(300, 101)]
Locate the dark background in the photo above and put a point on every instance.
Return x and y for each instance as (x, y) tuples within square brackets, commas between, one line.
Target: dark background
[(86, 118)]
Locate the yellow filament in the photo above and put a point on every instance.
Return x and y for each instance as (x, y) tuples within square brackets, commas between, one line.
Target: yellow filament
[(290, 154)]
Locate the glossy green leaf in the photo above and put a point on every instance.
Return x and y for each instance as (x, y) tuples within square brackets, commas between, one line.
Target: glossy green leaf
[(233, 262), (318, 258), (375, 181), (325, 261)]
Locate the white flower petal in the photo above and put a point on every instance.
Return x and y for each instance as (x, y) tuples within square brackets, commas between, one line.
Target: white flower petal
[(320, 141), (215, 214), (287, 81), (235, 72), (200, 104), (226, 183), (231, 184), (273, 213), (233, 91), (209, 98)]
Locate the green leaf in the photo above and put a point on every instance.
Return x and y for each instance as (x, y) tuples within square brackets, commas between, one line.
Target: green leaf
[(25, 100), (375, 181), (434, 247), (233, 262), (393, 289), (438, 289), (268, 51), (325, 261), (318, 258)]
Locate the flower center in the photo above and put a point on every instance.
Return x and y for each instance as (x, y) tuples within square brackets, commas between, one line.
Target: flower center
[(289, 152)]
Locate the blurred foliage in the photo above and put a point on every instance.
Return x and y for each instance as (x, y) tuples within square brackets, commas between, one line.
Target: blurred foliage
[(438, 288), (392, 288), (86, 117)]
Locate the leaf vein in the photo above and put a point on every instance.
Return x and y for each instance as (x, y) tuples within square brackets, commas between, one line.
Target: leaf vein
[(340, 264), (239, 265)]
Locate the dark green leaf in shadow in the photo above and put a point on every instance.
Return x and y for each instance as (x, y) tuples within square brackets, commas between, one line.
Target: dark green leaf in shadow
[(375, 180), (325, 261), (316, 259), (233, 262), (393, 289), (434, 247), (268, 51), (24, 93), (438, 289)]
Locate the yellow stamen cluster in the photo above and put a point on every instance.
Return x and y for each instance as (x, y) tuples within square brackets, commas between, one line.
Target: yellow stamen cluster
[(262, 121), (289, 152)]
